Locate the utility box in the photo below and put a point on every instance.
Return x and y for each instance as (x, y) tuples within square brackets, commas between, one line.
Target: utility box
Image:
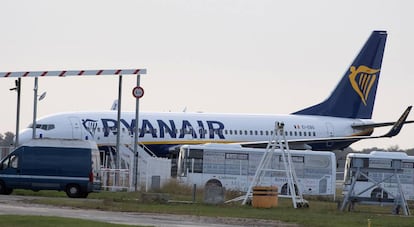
[(155, 183), (265, 197)]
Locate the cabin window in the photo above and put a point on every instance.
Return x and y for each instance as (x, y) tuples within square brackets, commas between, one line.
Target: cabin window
[(231, 132), (43, 126), (261, 132), (241, 132), (296, 133), (300, 133), (314, 133), (225, 131), (251, 132)]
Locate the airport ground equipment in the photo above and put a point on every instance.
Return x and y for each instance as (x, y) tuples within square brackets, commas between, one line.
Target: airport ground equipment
[(278, 141), (378, 172)]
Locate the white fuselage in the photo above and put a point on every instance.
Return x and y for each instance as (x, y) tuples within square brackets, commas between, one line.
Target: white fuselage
[(161, 129)]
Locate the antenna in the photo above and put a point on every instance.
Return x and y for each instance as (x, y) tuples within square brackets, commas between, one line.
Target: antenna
[(42, 96), (114, 105)]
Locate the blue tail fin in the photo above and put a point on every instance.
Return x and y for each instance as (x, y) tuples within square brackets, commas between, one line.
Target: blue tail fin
[(354, 96)]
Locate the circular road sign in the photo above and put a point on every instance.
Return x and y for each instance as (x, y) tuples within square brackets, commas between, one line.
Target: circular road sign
[(138, 92)]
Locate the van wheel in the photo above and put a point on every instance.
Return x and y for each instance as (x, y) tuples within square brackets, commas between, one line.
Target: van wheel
[(73, 191), (4, 190)]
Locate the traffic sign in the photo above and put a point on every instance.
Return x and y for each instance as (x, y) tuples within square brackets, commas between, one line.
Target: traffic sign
[(138, 92)]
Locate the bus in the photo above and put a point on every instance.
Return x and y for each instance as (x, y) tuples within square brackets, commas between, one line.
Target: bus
[(233, 167), (377, 167)]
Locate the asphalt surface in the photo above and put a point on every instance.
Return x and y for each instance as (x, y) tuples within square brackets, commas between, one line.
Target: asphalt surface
[(15, 205)]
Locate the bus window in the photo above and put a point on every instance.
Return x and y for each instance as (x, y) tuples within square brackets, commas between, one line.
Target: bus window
[(195, 161)]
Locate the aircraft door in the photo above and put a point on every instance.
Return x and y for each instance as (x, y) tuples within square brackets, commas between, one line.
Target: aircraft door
[(330, 133), (330, 129), (76, 128)]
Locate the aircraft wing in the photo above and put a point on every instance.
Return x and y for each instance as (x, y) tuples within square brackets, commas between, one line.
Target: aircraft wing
[(307, 143)]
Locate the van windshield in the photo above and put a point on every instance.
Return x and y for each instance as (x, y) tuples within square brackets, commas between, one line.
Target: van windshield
[(4, 163)]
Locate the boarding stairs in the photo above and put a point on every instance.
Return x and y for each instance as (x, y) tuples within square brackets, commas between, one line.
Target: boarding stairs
[(150, 169), (278, 142), (397, 200)]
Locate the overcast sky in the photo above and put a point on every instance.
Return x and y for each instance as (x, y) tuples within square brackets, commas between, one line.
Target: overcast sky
[(271, 57)]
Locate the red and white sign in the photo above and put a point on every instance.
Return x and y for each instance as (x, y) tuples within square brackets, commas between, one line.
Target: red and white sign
[(138, 92)]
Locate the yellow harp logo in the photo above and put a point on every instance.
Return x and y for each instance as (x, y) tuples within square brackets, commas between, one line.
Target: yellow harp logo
[(362, 79)]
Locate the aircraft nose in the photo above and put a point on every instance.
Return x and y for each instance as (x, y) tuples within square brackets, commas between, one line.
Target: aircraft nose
[(25, 135)]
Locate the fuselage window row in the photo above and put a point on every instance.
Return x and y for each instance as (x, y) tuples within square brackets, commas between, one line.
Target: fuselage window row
[(215, 131)]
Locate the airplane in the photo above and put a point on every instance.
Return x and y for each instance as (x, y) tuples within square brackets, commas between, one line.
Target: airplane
[(337, 122)]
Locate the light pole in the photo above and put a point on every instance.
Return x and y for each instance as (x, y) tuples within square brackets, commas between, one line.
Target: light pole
[(136, 136), (34, 108), (17, 89), (42, 96)]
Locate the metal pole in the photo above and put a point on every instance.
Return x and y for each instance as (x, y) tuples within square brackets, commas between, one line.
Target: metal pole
[(18, 86), (34, 108), (118, 125), (136, 138)]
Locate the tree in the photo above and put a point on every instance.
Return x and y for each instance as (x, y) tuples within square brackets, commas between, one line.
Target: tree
[(7, 139)]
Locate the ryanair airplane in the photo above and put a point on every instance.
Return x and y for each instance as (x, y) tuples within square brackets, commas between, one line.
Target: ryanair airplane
[(342, 119)]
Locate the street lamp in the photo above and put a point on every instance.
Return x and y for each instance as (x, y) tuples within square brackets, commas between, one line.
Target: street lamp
[(17, 89)]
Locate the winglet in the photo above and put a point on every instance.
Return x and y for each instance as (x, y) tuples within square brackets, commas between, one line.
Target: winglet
[(399, 124)]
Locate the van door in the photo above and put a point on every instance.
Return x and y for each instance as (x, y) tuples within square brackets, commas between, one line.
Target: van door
[(76, 128), (10, 170)]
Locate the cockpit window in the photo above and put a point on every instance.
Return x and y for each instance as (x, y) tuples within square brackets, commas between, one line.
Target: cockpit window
[(43, 126)]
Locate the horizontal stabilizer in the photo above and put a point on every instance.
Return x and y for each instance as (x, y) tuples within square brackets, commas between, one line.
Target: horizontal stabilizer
[(307, 143)]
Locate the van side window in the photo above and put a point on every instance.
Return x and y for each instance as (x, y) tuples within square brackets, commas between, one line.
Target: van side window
[(14, 161)]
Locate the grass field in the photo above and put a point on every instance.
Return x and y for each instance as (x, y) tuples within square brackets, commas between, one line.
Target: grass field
[(322, 212), (31, 221)]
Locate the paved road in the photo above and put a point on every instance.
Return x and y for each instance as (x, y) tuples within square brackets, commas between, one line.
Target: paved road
[(16, 205)]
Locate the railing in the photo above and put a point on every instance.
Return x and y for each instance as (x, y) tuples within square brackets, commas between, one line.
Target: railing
[(115, 179)]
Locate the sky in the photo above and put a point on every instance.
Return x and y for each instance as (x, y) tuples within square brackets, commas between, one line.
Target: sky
[(221, 56)]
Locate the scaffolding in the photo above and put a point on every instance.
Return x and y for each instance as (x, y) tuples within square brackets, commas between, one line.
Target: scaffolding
[(361, 169), (278, 141)]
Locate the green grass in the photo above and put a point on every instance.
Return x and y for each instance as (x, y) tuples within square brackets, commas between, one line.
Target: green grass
[(322, 211), (30, 221)]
